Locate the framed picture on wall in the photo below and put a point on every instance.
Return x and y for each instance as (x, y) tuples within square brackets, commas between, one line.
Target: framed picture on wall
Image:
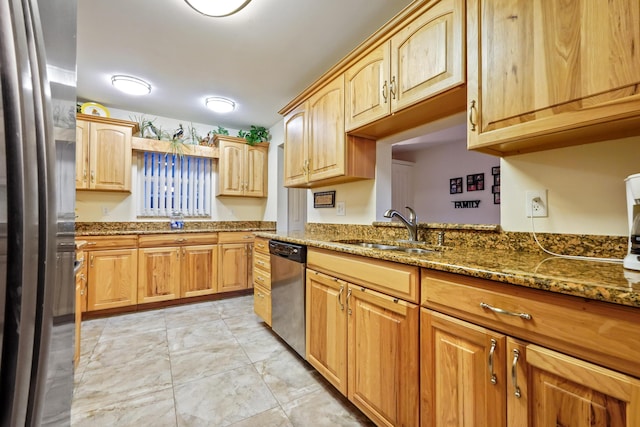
[(475, 182), (455, 185), (495, 170), (496, 198)]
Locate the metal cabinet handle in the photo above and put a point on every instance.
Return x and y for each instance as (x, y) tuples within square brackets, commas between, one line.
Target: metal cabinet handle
[(93, 176), (260, 263), (514, 373), (180, 240), (340, 297), (473, 111), (247, 236), (492, 375), (178, 253), (260, 279), (392, 88), (525, 316), (385, 90), (92, 243), (348, 298), (91, 261)]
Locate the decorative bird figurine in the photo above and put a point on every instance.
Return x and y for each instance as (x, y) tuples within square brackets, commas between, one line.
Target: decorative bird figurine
[(179, 132)]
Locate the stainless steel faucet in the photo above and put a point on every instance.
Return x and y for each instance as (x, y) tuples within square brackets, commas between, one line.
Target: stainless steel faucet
[(411, 223)]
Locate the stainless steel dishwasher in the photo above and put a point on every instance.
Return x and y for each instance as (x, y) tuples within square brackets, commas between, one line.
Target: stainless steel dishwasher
[(288, 263)]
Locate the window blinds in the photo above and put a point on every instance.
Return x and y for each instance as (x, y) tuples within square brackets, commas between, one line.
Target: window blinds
[(171, 184)]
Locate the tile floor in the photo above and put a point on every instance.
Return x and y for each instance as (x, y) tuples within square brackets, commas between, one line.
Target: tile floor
[(205, 364)]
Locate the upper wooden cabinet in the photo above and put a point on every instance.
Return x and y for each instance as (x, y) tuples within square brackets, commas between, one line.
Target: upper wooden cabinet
[(317, 151), (242, 168), (424, 58), (551, 73), (103, 153)]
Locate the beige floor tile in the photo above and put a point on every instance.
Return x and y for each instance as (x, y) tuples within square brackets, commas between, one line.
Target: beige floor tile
[(287, 376), (192, 364), (246, 323), (199, 336), (221, 400), (126, 349), (197, 315), (154, 409), (261, 344), (272, 418)]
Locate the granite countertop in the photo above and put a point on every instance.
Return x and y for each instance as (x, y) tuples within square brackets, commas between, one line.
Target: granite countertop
[(162, 227), (602, 281), (162, 231)]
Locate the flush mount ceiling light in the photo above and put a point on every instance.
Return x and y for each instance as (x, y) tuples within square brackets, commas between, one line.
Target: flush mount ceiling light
[(217, 8), (131, 85), (220, 105)]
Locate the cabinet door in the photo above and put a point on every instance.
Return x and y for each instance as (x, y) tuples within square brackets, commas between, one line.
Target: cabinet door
[(112, 278), (326, 132), (383, 357), (326, 327), (231, 169), (262, 303), (367, 96), (569, 392), (463, 375), (537, 68), (159, 274), (256, 171), (233, 266), (199, 270), (427, 55), (82, 154), (110, 157), (295, 147)]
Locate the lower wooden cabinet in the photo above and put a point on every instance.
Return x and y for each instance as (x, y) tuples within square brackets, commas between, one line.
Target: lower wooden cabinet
[(234, 252), (262, 279), (366, 344), (173, 267), (112, 278), (474, 376)]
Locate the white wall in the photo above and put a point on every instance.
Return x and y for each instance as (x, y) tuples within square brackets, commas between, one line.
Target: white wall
[(106, 206), (586, 192), (434, 166)]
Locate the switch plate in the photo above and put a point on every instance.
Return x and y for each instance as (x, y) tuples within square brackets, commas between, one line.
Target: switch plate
[(105, 211), (341, 209), (536, 203)]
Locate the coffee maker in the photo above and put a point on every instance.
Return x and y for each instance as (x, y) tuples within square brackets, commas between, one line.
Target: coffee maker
[(632, 260)]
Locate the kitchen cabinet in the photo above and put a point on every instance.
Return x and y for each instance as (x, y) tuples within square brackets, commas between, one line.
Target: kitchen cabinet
[(111, 272), (423, 58), (543, 75), (501, 381), (176, 266), (363, 341), (262, 279), (80, 299), (317, 150), (103, 153), (234, 268), (242, 168), (513, 356)]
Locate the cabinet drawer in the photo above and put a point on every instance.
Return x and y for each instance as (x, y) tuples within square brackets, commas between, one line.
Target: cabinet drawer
[(261, 278), (236, 237), (157, 240), (261, 245), (110, 242), (600, 332), (391, 278), (262, 303), (262, 261)]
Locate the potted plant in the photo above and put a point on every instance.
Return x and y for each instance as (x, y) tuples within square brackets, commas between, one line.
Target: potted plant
[(255, 135)]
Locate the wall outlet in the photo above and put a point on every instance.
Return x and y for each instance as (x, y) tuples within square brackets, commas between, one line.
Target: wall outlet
[(105, 211), (341, 209), (536, 203)]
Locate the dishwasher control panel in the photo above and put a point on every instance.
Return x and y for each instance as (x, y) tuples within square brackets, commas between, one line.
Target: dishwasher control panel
[(290, 251)]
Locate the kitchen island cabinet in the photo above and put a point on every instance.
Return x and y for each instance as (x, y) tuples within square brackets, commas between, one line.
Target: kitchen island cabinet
[(549, 74), (103, 153), (112, 272), (363, 341)]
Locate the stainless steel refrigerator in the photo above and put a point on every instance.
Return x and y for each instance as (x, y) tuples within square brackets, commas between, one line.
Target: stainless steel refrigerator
[(37, 204)]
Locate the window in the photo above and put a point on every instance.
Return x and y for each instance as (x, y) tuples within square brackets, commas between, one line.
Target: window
[(170, 184)]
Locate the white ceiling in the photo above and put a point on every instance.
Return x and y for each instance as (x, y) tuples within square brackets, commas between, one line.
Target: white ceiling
[(261, 57)]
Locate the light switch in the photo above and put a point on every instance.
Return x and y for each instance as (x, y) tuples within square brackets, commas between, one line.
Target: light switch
[(340, 209)]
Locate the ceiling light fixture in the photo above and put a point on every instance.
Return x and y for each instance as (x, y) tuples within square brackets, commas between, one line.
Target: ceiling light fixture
[(219, 104), (131, 85), (217, 8)]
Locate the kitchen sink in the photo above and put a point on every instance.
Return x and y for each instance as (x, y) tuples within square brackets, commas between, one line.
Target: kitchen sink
[(386, 247)]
